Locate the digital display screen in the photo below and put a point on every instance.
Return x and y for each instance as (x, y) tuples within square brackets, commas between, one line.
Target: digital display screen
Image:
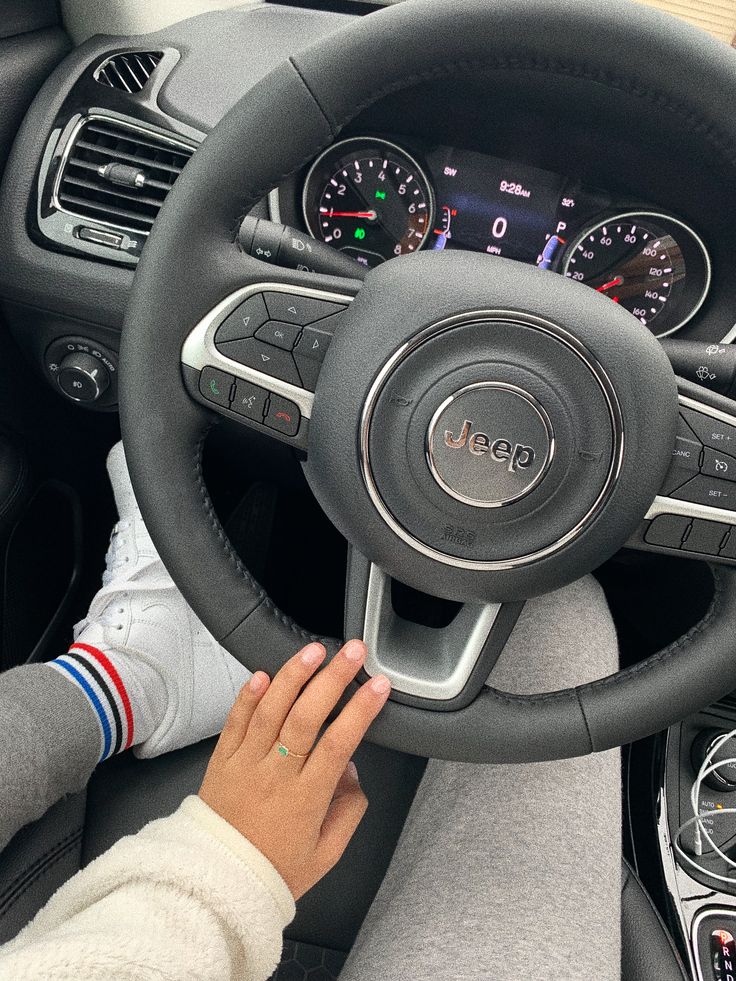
[(486, 204)]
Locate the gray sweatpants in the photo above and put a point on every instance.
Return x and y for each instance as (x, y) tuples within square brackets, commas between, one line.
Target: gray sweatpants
[(511, 873)]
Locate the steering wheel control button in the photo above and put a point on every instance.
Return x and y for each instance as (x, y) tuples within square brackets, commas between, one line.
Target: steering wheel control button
[(249, 400), (717, 464), (278, 334), (82, 377), (283, 416), (705, 537), (310, 353), (215, 386), (667, 530), (710, 491), (263, 357), (489, 444), (244, 321), (300, 310), (711, 431)]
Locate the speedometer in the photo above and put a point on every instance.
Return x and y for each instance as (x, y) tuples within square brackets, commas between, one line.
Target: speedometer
[(368, 198), (653, 265)]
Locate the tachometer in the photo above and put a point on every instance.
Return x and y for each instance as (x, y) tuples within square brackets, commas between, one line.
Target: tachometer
[(653, 265), (368, 198)]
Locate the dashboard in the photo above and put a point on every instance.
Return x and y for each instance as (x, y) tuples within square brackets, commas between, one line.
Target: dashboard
[(374, 198), (601, 188)]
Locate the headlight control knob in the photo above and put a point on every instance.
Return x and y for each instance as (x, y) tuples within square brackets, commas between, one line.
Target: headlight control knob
[(724, 778), (82, 377)]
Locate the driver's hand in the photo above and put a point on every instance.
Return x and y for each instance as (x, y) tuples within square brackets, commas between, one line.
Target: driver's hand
[(291, 793)]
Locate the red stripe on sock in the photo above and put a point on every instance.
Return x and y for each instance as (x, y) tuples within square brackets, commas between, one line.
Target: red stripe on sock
[(117, 681)]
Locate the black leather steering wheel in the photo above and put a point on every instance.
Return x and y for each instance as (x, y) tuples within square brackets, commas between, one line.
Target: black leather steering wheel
[(481, 430)]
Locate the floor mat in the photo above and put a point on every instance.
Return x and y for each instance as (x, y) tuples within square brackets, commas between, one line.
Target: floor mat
[(307, 962)]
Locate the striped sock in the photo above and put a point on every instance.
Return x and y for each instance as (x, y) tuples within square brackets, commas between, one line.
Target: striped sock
[(93, 672)]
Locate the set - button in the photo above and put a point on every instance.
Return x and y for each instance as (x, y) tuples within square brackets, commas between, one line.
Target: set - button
[(250, 401), (703, 471), (285, 335)]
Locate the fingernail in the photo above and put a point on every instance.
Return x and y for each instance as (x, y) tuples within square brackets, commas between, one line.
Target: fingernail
[(380, 684), (354, 651), (257, 683), (352, 770), (311, 655)]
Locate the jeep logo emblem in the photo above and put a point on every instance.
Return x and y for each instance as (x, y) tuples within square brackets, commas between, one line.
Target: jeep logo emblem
[(517, 456), (489, 444)]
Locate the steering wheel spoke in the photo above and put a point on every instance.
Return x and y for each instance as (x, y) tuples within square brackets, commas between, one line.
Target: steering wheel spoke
[(439, 661), (694, 515), (257, 356)]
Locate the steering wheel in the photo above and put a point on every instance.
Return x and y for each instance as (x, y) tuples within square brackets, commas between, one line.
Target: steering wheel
[(481, 430)]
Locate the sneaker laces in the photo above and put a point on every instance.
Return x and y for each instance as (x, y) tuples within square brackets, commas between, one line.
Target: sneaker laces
[(119, 582)]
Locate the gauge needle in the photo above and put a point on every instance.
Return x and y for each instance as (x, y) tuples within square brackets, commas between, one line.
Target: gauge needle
[(607, 286), (368, 215)]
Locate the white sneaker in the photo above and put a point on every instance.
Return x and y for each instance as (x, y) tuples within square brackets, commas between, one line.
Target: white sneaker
[(157, 673)]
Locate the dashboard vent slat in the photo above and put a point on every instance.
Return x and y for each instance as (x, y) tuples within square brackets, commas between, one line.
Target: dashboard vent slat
[(129, 71), (118, 174)]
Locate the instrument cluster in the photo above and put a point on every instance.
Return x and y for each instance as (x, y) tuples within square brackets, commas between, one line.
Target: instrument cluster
[(373, 199)]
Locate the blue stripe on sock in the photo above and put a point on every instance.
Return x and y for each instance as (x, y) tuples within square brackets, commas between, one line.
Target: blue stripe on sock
[(96, 703)]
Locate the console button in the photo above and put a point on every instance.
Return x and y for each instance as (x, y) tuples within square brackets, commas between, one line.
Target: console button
[(279, 334), (710, 431), (249, 400), (711, 491), (313, 344), (717, 464), (309, 371), (299, 310), (283, 416), (215, 385), (705, 537), (728, 547), (263, 357), (667, 530), (244, 321), (309, 355)]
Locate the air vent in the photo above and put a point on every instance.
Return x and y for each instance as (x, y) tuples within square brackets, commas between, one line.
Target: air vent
[(118, 174), (130, 71)]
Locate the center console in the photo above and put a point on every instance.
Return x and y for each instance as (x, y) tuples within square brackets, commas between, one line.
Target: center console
[(700, 901)]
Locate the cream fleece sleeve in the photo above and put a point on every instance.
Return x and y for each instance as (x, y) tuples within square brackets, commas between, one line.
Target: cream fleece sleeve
[(187, 897)]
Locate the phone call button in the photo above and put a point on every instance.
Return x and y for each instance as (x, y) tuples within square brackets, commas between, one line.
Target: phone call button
[(283, 416)]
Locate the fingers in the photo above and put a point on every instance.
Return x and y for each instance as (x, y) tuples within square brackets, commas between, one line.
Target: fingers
[(312, 708), (339, 741), (343, 817), (237, 722), (268, 718)]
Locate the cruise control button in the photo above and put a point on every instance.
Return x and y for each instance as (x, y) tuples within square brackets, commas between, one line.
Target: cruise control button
[(717, 464), (263, 357), (279, 334), (667, 530), (215, 385), (676, 477), (710, 431), (710, 491), (244, 321), (705, 537), (313, 344), (249, 400), (283, 416), (299, 310)]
